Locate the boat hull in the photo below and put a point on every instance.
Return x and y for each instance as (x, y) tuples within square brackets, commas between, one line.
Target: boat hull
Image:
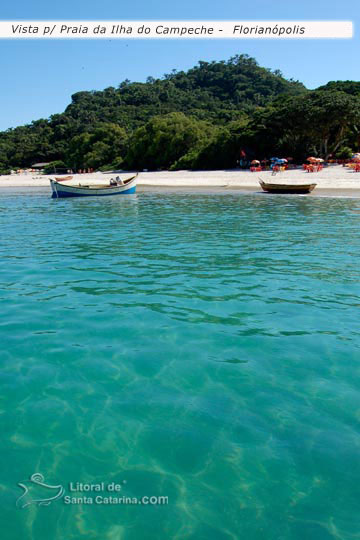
[(63, 178), (287, 188), (61, 191)]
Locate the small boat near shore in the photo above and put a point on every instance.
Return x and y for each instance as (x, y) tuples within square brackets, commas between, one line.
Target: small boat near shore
[(63, 178), (115, 187), (287, 188)]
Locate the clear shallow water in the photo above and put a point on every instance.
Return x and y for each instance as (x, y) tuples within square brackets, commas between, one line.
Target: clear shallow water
[(200, 347)]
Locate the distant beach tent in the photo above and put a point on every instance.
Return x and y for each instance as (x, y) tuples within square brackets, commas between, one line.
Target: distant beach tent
[(255, 166)]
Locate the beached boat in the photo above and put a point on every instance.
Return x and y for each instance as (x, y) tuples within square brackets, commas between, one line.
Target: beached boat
[(286, 188), (63, 178), (125, 187)]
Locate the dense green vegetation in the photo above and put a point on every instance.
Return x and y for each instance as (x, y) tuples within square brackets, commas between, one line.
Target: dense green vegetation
[(207, 117)]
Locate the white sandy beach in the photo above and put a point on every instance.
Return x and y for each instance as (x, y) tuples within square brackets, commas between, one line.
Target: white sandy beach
[(335, 180)]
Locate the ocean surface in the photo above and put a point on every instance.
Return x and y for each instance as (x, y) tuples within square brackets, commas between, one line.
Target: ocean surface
[(199, 351)]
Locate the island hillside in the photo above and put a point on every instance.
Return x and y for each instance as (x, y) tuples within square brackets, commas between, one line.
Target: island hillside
[(215, 115)]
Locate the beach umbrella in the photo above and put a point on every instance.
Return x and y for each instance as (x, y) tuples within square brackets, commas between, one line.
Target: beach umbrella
[(255, 162), (311, 159)]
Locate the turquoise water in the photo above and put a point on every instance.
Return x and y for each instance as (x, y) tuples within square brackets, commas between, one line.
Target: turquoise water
[(200, 347)]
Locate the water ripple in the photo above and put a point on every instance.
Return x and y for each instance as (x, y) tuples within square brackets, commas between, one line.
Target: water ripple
[(201, 346)]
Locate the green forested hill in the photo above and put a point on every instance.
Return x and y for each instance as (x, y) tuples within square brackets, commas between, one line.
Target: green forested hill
[(216, 92), (349, 87), (199, 118)]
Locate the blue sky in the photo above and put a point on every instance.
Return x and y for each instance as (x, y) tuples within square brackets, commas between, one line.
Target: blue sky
[(39, 76)]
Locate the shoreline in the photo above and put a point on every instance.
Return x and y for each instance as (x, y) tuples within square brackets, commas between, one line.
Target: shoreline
[(206, 190), (331, 181)]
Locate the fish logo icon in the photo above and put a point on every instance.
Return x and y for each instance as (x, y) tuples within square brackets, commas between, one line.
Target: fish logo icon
[(34, 492)]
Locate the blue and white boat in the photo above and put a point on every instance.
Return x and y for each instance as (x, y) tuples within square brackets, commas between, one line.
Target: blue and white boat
[(115, 187)]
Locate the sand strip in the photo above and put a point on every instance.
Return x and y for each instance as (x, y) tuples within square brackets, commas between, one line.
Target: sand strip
[(332, 180)]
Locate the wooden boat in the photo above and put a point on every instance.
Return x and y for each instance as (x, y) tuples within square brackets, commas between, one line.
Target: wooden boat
[(286, 188), (126, 187), (63, 178)]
